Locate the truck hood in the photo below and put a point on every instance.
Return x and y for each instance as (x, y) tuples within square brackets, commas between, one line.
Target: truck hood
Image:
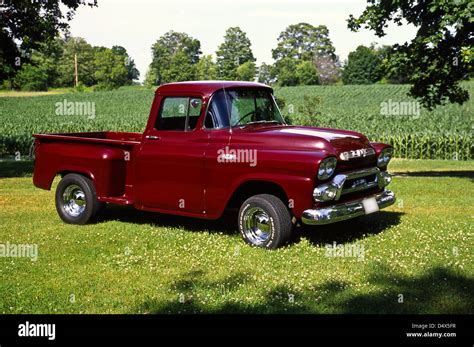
[(303, 138)]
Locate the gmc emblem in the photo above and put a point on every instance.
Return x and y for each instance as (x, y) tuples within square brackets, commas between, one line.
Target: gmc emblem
[(358, 153)]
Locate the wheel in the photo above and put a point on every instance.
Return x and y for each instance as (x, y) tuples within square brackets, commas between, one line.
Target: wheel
[(76, 199), (265, 221)]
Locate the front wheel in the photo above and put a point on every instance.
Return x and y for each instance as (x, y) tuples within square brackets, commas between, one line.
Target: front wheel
[(265, 221), (76, 199)]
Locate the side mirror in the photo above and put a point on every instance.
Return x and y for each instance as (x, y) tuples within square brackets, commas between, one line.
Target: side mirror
[(195, 103)]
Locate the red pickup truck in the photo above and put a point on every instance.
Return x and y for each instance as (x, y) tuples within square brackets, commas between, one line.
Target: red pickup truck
[(211, 146)]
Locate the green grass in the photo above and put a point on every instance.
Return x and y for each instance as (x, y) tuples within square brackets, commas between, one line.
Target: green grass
[(137, 262), (444, 133)]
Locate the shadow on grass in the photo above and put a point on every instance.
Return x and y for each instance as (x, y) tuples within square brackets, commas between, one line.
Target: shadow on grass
[(12, 168), (349, 230), (438, 290), (342, 232), (227, 224), (460, 174), (187, 302)]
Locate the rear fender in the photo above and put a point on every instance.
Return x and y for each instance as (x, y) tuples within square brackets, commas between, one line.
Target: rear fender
[(106, 166)]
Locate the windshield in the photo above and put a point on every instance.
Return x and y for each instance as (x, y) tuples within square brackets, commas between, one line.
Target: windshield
[(252, 106), (242, 107)]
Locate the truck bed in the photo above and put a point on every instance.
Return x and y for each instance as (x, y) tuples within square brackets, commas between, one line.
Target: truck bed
[(101, 137), (105, 157)]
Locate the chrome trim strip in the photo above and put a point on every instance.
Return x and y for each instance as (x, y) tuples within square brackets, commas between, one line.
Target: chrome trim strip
[(361, 173), (340, 212)]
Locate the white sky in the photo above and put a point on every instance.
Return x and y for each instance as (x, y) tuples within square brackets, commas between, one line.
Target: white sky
[(137, 24)]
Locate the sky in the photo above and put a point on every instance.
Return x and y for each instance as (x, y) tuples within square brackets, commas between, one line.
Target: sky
[(137, 24)]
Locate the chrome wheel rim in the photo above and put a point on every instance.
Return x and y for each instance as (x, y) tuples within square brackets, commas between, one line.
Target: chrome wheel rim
[(74, 200), (257, 227)]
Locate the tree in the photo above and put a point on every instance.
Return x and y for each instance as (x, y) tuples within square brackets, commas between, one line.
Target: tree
[(110, 69), (31, 23), (285, 69), (306, 73), (85, 63), (293, 72), (10, 60), (299, 43), (132, 71), (32, 77), (328, 69), (364, 66), (303, 41), (150, 77), (206, 69), (180, 69), (266, 74), (164, 52), (49, 55), (232, 53), (392, 73), (42, 66), (441, 54), (246, 71)]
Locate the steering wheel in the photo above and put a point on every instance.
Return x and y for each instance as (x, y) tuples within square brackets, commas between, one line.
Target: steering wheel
[(245, 116)]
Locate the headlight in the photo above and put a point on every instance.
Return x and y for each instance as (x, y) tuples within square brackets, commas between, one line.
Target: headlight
[(327, 168), (384, 157), (324, 192)]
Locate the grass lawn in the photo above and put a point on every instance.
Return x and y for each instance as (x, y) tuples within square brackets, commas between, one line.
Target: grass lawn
[(415, 257)]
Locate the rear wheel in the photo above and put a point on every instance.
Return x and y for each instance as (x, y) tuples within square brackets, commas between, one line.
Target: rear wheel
[(76, 199), (265, 221)]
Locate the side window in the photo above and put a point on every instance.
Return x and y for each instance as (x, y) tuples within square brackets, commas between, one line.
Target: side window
[(217, 113), (179, 113)]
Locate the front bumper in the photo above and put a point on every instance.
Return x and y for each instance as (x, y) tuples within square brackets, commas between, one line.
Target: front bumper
[(343, 211)]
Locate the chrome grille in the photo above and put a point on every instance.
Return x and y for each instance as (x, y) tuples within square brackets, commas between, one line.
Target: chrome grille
[(360, 180), (345, 183)]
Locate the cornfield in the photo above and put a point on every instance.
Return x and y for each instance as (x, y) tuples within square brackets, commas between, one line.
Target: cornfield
[(444, 133), (121, 110)]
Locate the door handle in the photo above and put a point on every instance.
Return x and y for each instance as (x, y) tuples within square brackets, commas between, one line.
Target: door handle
[(152, 137)]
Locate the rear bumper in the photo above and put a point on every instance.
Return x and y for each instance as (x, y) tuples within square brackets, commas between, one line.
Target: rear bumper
[(340, 212)]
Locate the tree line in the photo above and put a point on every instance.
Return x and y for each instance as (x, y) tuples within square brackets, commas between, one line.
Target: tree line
[(304, 55), (53, 65), (434, 62)]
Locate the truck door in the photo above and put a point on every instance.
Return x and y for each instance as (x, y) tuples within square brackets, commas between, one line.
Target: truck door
[(170, 163), (219, 175)]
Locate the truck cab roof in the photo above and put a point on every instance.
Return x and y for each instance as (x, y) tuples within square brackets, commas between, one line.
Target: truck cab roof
[(206, 88)]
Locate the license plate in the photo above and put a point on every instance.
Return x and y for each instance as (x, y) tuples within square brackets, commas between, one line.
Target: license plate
[(370, 205)]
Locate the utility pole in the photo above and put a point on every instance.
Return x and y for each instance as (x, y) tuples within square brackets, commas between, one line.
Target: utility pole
[(75, 70)]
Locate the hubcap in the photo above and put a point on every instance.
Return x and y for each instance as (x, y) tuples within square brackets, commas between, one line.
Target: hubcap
[(74, 200), (256, 225)]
